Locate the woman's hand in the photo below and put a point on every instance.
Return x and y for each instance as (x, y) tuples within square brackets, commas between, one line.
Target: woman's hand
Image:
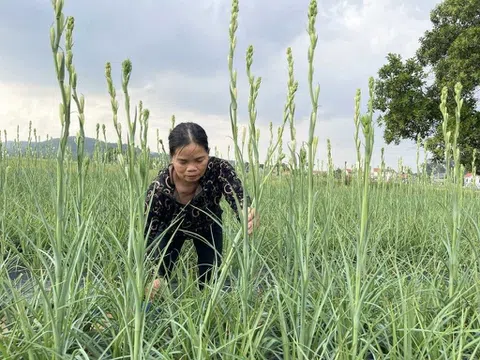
[(253, 220), (157, 285)]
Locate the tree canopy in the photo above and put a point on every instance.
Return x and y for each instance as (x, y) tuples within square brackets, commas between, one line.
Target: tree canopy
[(408, 90)]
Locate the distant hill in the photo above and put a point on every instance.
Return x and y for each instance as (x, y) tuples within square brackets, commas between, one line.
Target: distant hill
[(47, 145)]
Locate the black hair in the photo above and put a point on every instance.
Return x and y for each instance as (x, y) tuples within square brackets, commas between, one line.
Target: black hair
[(186, 133)]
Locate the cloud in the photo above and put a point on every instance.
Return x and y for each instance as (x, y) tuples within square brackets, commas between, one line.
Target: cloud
[(179, 54), (39, 105)]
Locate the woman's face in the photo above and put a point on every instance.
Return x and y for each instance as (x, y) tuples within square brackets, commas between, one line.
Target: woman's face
[(190, 162)]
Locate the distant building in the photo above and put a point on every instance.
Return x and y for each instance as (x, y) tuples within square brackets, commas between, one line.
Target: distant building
[(375, 174), (388, 174), (471, 180)]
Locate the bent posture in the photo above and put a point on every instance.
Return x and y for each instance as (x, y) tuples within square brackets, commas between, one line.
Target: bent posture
[(185, 196)]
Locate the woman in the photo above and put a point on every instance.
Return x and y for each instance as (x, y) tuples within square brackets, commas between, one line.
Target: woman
[(184, 199)]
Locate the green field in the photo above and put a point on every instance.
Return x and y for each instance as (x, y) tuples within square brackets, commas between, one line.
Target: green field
[(340, 268), (405, 310)]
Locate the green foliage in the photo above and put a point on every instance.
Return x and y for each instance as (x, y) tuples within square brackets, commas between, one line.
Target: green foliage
[(408, 110), (369, 270), (407, 305), (408, 91)]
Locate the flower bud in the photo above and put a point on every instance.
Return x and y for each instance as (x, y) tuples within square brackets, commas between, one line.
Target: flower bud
[(61, 66), (82, 102), (52, 37)]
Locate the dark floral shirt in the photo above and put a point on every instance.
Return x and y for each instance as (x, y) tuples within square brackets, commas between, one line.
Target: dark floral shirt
[(219, 180)]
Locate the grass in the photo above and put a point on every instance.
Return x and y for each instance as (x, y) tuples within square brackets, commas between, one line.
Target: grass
[(406, 310), (338, 270)]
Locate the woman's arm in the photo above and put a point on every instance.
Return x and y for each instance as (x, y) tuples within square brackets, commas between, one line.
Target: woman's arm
[(232, 186), (154, 211)]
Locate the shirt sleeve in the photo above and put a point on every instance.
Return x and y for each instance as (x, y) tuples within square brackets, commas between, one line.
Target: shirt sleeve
[(154, 211), (232, 187)]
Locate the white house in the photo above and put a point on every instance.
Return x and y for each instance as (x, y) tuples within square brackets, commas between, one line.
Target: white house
[(375, 173), (471, 180), (388, 174)]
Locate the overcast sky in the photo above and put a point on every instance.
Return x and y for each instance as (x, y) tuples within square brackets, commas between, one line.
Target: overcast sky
[(179, 53)]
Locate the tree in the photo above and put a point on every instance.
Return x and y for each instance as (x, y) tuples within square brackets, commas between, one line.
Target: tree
[(435, 167), (408, 91)]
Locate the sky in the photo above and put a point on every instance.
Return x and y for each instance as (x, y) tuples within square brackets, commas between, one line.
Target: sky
[(179, 53)]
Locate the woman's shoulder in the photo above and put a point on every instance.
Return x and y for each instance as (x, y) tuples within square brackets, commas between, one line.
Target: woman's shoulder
[(163, 173), (219, 168), (218, 164), (162, 182), (216, 161)]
